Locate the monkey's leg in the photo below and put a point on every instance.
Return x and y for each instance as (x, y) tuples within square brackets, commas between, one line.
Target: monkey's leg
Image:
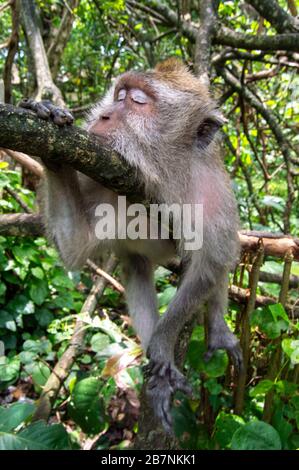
[(164, 378), (141, 296), (219, 334)]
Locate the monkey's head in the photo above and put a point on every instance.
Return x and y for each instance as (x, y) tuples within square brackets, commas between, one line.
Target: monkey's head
[(156, 116)]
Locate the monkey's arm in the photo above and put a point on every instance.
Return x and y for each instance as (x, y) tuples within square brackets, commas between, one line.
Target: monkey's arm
[(65, 216), (64, 210)]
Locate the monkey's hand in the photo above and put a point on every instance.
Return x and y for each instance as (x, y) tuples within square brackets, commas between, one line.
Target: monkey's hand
[(47, 110), (164, 380), (221, 337)]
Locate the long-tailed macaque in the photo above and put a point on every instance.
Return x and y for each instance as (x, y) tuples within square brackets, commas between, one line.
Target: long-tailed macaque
[(164, 123)]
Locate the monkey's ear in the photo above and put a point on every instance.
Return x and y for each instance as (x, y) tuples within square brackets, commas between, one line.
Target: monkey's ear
[(207, 129)]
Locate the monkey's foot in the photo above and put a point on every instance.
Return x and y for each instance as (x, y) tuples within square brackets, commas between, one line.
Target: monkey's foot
[(164, 381), (225, 339), (47, 110)]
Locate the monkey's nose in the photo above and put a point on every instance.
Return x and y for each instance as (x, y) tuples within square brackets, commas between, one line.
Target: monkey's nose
[(105, 117)]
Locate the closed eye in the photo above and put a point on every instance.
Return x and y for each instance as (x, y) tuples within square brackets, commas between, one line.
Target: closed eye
[(138, 96), (121, 94)]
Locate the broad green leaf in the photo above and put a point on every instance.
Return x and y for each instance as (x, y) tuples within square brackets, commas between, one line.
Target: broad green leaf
[(226, 425), (38, 272), (7, 321), (99, 342), (256, 435), (291, 349), (184, 424), (166, 296), (215, 367), (37, 436), (40, 374), (9, 369), (261, 388), (15, 414), (87, 407), (265, 320), (38, 291)]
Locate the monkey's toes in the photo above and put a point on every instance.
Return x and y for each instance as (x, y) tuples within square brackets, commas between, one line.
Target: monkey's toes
[(164, 381)]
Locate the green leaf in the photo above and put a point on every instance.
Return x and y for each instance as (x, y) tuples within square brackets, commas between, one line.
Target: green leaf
[(226, 425), (99, 342), (184, 424), (38, 291), (268, 321), (37, 436), (44, 316), (2, 289), (256, 435), (213, 386), (87, 408), (40, 374), (27, 357), (15, 414), (39, 346), (9, 369), (278, 311), (291, 349), (20, 304), (61, 279), (215, 367), (7, 321), (166, 296), (263, 387), (24, 253), (38, 272)]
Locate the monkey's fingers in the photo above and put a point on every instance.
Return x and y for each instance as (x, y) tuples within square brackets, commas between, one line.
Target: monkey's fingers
[(45, 110), (180, 383), (161, 369), (39, 108), (60, 116), (159, 393)]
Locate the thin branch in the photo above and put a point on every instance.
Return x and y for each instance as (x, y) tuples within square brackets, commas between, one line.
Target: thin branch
[(117, 285), (27, 162), (21, 225), (19, 200), (5, 5), (61, 37)]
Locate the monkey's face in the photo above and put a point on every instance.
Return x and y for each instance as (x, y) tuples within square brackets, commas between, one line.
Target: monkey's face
[(128, 110), (156, 118)]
